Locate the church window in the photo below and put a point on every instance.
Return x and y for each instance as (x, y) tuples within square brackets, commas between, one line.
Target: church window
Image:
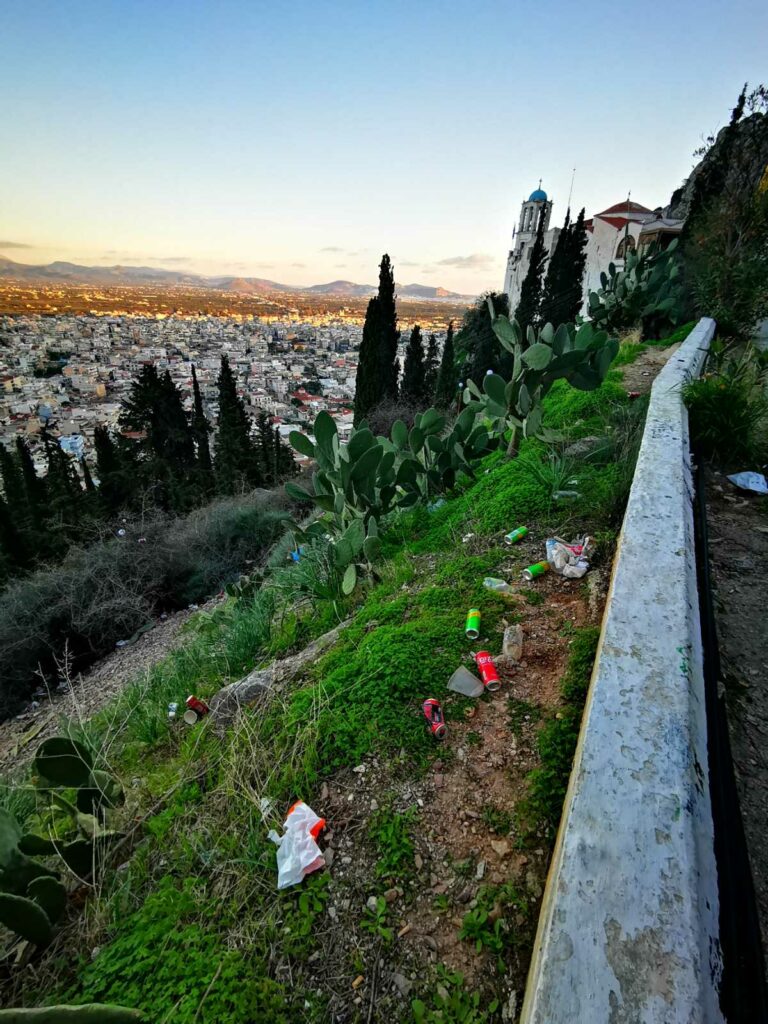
[(626, 245)]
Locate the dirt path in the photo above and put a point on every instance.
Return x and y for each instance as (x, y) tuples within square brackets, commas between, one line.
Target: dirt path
[(738, 528), (639, 376), (89, 692)]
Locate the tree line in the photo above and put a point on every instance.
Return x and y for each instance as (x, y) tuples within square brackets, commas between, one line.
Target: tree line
[(551, 292), (162, 457)]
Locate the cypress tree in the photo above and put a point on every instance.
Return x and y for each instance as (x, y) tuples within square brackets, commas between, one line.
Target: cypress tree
[(34, 492), (477, 343), (388, 332), (15, 524), (555, 280), (446, 378), (13, 486), (64, 494), (115, 472), (574, 282), (286, 463), (412, 388), (430, 369), (267, 448), (368, 384), (90, 487), (201, 428), (236, 457), (14, 555), (527, 311)]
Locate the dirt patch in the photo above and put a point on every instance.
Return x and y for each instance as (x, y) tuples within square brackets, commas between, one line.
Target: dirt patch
[(465, 834), (738, 548), (639, 376), (88, 692)]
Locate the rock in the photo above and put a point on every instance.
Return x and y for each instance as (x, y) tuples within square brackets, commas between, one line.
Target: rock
[(512, 644), (480, 870), (500, 847), (429, 942), (391, 895), (440, 888), (325, 792), (372, 904), (374, 805), (402, 984), (465, 895), (418, 861), (439, 780), (404, 931), (328, 855), (359, 769), (346, 860), (585, 446), (332, 913)]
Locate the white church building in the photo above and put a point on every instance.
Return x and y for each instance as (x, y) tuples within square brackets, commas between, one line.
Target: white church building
[(610, 235)]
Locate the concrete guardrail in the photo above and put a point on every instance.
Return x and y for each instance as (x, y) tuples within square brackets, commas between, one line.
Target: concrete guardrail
[(628, 932)]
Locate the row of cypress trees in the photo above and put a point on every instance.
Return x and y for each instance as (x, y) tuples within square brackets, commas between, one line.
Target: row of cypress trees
[(161, 458), (428, 379)]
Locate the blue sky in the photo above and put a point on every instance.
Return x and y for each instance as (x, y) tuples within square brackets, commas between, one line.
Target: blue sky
[(299, 141)]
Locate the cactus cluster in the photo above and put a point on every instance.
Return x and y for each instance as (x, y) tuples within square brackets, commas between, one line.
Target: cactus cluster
[(648, 289), (31, 897), (581, 356), (357, 483)]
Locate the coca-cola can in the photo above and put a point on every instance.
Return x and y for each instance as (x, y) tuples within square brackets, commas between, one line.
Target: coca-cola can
[(196, 709), (434, 716), (487, 670)]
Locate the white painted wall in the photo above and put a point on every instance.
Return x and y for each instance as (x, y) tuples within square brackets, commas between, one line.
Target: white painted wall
[(628, 932)]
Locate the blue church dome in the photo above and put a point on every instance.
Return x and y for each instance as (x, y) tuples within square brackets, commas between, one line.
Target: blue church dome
[(538, 196)]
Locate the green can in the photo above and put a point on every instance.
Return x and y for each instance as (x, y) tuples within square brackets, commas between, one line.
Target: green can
[(516, 535), (537, 569), (472, 627)]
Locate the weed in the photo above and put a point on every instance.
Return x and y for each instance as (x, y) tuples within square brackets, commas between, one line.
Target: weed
[(451, 1003), (497, 819), (473, 739), (441, 903), (390, 832), (534, 597), (375, 921), (488, 926), (520, 712)]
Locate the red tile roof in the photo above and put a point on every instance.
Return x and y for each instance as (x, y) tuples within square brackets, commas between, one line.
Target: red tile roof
[(625, 207)]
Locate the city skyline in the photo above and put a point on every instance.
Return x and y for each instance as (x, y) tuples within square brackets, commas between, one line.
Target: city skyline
[(298, 145)]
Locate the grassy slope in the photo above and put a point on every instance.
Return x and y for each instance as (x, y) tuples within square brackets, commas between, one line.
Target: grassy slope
[(196, 902)]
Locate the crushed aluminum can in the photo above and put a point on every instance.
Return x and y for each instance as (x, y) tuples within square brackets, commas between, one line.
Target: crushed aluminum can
[(434, 716), (487, 670)]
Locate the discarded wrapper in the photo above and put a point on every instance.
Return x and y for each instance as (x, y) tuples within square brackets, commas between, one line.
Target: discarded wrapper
[(569, 560), (297, 851), (464, 682), (754, 482)]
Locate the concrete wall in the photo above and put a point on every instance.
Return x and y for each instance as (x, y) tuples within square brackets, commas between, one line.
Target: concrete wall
[(628, 932)]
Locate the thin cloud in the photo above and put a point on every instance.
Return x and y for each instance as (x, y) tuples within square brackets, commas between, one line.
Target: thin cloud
[(331, 248), (301, 266), (428, 270), (475, 261), (407, 263), (15, 245), (340, 266), (173, 259)]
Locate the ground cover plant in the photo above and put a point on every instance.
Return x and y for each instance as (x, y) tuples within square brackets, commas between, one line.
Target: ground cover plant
[(190, 927)]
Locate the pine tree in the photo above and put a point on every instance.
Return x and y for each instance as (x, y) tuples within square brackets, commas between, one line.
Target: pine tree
[(446, 378), (388, 332), (368, 384), (236, 458), (431, 367), (412, 387), (527, 312), (201, 428)]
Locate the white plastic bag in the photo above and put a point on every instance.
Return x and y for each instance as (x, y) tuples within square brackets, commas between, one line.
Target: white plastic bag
[(297, 851), (569, 560), (754, 482)]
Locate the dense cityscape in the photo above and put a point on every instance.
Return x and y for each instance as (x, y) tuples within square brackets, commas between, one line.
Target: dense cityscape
[(70, 372)]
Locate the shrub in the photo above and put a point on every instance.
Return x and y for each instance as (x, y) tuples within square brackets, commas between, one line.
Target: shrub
[(728, 411), (77, 611)]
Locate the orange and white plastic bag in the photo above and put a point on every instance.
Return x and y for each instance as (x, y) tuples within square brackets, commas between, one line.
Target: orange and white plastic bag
[(297, 851)]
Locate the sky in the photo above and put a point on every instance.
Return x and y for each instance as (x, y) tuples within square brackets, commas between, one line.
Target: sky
[(299, 141)]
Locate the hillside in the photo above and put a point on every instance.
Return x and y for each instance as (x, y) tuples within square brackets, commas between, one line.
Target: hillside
[(435, 854)]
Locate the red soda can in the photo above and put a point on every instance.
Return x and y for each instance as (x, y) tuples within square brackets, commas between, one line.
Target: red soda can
[(434, 716), (196, 708), (487, 670)]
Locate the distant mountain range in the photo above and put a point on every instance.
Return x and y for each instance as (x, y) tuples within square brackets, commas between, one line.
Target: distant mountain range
[(71, 273)]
